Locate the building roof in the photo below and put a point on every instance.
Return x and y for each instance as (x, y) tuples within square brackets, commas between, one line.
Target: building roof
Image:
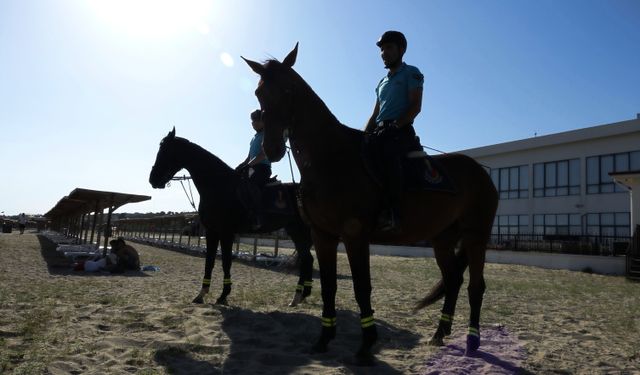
[(81, 201), (594, 132)]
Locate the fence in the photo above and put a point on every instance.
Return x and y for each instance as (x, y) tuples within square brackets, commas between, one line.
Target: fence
[(633, 256), (186, 231), (181, 232), (564, 244)]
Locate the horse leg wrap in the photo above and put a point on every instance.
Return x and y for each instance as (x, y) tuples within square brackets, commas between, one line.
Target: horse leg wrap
[(446, 321), (444, 329), (473, 340), (327, 334), (369, 336)]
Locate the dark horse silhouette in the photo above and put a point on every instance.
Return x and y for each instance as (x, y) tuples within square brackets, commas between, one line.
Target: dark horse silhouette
[(222, 212), (342, 202)]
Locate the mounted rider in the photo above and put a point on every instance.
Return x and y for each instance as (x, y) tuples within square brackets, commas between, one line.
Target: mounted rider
[(398, 102), (256, 168)]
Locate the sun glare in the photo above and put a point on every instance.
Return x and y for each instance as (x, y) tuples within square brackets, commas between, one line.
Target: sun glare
[(226, 59), (154, 18)]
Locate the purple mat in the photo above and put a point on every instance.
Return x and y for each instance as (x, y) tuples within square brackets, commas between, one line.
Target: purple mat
[(499, 353)]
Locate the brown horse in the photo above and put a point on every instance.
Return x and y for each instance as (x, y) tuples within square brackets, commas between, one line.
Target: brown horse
[(342, 202)]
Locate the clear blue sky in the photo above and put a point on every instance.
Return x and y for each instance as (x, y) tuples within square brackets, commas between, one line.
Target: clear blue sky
[(88, 88)]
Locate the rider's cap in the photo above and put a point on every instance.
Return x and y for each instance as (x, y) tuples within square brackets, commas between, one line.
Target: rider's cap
[(393, 37), (256, 115)]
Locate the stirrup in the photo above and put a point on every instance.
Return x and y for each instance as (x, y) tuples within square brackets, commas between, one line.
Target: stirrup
[(390, 222)]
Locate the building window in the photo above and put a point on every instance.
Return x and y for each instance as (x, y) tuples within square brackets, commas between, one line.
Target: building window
[(511, 182), (510, 224), (599, 167), (563, 224), (556, 178), (610, 224)]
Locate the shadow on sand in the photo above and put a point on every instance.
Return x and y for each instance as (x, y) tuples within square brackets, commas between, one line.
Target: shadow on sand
[(279, 343)]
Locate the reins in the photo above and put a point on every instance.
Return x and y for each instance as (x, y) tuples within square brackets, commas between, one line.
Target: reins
[(189, 197), (446, 153), (293, 179)]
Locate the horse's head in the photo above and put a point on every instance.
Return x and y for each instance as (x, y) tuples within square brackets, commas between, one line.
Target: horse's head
[(167, 162), (276, 93)]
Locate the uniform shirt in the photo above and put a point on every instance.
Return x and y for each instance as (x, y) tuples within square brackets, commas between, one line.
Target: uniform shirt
[(393, 91), (256, 146)]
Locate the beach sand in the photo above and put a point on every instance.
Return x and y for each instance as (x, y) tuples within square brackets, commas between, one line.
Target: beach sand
[(57, 321)]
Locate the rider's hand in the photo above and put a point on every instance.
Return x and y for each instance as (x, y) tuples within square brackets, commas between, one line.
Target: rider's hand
[(387, 131)]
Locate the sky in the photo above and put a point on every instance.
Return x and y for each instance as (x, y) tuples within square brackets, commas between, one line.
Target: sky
[(89, 88)]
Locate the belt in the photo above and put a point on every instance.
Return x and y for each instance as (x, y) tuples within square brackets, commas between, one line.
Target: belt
[(389, 122)]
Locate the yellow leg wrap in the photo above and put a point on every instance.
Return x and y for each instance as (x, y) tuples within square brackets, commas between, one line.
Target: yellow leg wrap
[(328, 322), (206, 281), (299, 288), (367, 322), (308, 283), (446, 318), (227, 282), (474, 332)]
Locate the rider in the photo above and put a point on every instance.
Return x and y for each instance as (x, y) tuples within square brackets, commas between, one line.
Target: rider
[(398, 102), (256, 167)]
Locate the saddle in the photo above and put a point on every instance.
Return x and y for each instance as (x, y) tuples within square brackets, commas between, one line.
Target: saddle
[(420, 171), (274, 198)]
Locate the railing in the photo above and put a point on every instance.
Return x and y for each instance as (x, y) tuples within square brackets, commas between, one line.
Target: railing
[(565, 244), (186, 231), (182, 232), (633, 256)]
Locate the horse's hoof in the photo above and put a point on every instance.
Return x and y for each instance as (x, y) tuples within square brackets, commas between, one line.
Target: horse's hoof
[(222, 301), (297, 299), (473, 343), (199, 300), (436, 341), (306, 292)]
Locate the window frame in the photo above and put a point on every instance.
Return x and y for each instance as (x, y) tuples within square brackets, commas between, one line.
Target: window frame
[(548, 181), (598, 180), (509, 181)]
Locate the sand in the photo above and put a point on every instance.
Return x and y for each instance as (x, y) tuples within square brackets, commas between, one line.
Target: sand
[(57, 321)]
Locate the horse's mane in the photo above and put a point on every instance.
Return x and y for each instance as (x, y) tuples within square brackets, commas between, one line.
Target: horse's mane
[(203, 155), (274, 67)]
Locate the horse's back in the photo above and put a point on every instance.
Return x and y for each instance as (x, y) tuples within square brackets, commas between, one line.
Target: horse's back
[(463, 168), (476, 188)]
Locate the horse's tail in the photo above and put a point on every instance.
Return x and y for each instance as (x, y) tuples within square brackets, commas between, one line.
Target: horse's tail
[(437, 292)]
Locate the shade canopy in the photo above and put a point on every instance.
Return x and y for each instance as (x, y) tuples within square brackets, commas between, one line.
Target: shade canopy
[(81, 201)]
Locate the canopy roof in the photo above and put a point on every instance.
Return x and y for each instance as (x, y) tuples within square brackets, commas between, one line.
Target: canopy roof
[(81, 201)]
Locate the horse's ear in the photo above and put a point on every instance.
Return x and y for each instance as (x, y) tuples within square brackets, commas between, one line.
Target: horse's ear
[(172, 134), (255, 66), (291, 57)]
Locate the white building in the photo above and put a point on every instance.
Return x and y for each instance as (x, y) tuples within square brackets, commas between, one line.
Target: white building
[(560, 183)]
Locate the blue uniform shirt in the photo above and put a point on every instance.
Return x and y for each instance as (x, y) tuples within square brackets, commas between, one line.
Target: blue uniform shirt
[(393, 91), (256, 146)]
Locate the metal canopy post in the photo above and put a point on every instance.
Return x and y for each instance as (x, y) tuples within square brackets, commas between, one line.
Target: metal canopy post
[(100, 222), (107, 229), (95, 221)]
